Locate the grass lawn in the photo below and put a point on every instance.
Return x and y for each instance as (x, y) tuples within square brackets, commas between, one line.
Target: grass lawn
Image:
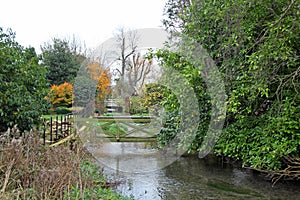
[(53, 116)]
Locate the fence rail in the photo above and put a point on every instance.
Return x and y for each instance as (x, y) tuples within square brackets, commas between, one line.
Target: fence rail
[(56, 128), (140, 128)]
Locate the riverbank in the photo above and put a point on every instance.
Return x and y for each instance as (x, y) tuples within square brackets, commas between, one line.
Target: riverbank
[(289, 173), (29, 170)]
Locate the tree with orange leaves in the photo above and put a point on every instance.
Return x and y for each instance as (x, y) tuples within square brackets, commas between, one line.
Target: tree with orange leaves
[(103, 78), (61, 95)]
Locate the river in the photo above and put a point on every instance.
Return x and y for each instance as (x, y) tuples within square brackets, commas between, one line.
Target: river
[(186, 177)]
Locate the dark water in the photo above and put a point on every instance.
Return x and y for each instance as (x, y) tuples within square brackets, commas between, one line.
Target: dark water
[(193, 178)]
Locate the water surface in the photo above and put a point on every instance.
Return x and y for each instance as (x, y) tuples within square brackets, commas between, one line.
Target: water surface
[(191, 178)]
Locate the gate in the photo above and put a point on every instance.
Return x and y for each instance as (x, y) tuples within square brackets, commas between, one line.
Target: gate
[(138, 128)]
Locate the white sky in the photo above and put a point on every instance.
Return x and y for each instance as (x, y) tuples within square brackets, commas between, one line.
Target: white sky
[(92, 21)]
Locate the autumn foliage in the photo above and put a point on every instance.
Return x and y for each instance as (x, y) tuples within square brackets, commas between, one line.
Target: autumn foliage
[(61, 95), (103, 78)]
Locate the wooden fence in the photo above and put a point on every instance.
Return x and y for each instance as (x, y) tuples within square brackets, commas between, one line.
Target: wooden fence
[(56, 128), (140, 130)]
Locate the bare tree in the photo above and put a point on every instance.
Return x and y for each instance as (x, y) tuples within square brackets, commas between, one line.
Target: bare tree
[(127, 42), (134, 67), (138, 68)]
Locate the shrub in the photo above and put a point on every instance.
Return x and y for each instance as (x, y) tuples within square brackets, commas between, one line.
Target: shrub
[(61, 95), (30, 170), (23, 85), (62, 110)]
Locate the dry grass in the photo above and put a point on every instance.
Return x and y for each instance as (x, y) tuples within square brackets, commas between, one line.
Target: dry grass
[(29, 170)]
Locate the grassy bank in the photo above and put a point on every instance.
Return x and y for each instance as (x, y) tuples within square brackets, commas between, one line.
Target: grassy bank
[(29, 170)]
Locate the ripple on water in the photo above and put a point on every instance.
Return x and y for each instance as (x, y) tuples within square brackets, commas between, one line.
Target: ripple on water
[(193, 178)]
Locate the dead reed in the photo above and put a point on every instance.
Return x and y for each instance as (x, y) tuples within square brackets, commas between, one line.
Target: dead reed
[(30, 170)]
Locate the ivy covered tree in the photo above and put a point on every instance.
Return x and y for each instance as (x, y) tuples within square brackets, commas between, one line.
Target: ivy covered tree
[(179, 102), (23, 85), (62, 59), (255, 45)]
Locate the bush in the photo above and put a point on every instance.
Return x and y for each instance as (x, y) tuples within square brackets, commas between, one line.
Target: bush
[(23, 85), (62, 110), (61, 95)]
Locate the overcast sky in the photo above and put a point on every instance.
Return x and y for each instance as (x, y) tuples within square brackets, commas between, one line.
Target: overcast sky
[(92, 21)]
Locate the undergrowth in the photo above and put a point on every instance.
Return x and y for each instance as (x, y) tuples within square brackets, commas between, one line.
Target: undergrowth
[(29, 170)]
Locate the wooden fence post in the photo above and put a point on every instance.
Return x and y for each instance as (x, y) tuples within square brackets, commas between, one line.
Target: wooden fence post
[(51, 129), (61, 125), (65, 126), (56, 129), (68, 124), (62, 128), (44, 131)]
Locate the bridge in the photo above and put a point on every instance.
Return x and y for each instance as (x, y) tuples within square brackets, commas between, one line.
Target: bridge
[(129, 128)]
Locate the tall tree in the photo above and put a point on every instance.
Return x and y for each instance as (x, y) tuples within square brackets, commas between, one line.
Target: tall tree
[(102, 77), (62, 59), (127, 44), (137, 71), (133, 66), (173, 12), (22, 84)]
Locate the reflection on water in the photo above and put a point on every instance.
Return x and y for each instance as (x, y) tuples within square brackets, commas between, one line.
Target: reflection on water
[(193, 178), (138, 157)]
